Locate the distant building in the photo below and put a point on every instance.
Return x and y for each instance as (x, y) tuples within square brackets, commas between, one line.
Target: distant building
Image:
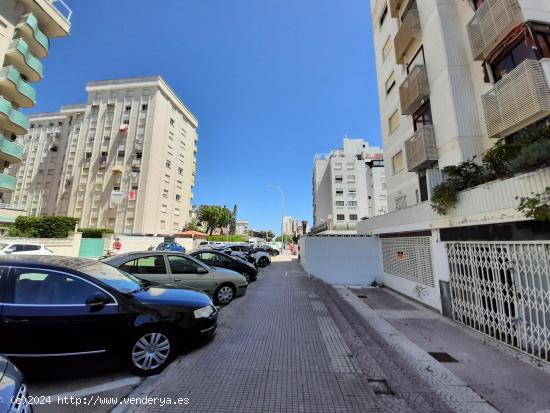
[(348, 186), (126, 160), (242, 227), (289, 225)]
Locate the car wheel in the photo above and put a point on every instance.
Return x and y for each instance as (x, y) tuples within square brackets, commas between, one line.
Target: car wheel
[(152, 350), (263, 262), (224, 294), (245, 275)]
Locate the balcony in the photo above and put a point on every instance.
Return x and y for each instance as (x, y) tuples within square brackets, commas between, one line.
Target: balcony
[(7, 182), (54, 16), (15, 88), (518, 99), (409, 31), (421, 149), (19, 55), (394, 6), (9, 150), (12, 120), (414, 90), (38, 42), (492, 22)]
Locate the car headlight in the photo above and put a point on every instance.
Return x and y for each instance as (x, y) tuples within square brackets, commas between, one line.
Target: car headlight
[(204, 312)]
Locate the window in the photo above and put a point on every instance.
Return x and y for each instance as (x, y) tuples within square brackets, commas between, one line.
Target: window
[(180, 171), (340, 217), (351, 178), (390, 83), (339, 179), (88, 155), (350, 166), (172, 122), (383, 16), (127, 109), (422, 116), (423, 184), (178, 197), (398, 164), (340, 203), (120, 154), (126, 122), (393, 121), (353, 217), (338, 166), (163, 208), (339, 192), (50, 288), (182, 265), (165, 193), (144, 107), (139, 154), (386, 49), (168, 163), (145, 265), (352, 191), (352, 203)]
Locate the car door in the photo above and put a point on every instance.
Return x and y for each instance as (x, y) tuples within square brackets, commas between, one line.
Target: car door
[(149, 267), (45, 314), (186, 273)]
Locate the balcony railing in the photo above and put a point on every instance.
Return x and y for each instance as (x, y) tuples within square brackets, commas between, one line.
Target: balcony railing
[(409, 31), (38, 42), (9, 150), (54, 16), (7, 182), (518, 99), (492, 22), (14, 87), (11, 119), (421, 149), (394, 6), (414, 90), (19, 55)]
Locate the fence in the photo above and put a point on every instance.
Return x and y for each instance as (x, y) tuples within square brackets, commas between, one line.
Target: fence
[(348, 260), (68, 247)]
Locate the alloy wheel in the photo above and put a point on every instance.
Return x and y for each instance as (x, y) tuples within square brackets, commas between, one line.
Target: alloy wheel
[(151, 351), (225, 294), (245, 275)]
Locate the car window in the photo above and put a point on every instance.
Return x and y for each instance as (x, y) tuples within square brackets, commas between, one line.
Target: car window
[(153, 264), (31, 247), (113, 277), (2, 246), (18, 247), (182, 265), (50, 288)]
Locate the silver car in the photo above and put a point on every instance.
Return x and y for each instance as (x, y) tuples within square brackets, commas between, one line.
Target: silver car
[(180, 270)]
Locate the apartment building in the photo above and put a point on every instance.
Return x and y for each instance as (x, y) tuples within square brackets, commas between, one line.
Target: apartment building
[(454, 79), (289, 225), (26, 27), (348, 186), (125, 160)]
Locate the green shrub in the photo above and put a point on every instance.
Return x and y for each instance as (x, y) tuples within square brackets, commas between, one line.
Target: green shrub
[(536, 206), (94, 232), (228, 238), (42, 227), (533, 156), (444, 197)]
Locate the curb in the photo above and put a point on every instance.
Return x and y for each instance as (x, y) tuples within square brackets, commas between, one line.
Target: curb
[(437, 377)]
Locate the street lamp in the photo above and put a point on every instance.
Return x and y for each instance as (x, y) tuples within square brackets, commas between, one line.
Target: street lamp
[(278, 188)]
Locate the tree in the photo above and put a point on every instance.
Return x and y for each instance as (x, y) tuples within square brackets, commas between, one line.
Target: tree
[(233, 226), (225, 218), (192, 225), (209, 215)]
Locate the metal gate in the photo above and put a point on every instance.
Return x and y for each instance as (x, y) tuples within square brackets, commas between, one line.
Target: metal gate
[(503, 291)]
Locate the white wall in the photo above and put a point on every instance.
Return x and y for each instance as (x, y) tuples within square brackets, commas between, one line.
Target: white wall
[(341, 260)]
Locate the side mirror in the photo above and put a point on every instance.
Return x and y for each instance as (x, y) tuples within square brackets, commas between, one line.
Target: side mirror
[(97, 300), (202, 270)]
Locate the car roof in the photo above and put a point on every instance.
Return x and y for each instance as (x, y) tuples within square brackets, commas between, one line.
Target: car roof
[(47, 260)]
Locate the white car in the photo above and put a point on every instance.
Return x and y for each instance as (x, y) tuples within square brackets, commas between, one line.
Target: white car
[(24, 248), (263, 259)]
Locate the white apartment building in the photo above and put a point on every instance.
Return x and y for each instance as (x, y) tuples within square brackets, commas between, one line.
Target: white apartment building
[(126, 160), (242, 227), (289, 225), (348, 186), (454, 78), (26, 27)]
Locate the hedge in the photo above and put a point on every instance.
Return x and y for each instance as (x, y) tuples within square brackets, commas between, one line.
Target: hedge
[(228, 238), (94, 232), (42, 227)]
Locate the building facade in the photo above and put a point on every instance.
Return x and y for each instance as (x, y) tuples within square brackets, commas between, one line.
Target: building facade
[(125, 160), (26, 27), (456, 78), (242, 227), (348, 186)]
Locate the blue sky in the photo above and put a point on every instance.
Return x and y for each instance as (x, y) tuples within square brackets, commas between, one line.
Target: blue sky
[(272, 82)]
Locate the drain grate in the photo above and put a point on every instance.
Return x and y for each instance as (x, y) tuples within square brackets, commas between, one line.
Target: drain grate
[(443, 357), (362, 296)]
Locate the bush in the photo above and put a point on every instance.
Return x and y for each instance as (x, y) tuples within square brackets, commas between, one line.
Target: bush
[(532, 157), (42, 227), (94, 232), (228, 238), (444, 197), (537, 206)]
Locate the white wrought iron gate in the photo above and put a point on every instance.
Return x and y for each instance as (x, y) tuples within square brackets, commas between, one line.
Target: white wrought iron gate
[(503, 291)]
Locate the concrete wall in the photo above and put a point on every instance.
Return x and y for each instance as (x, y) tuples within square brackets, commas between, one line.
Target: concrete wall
[(341, 260), (68, 247)]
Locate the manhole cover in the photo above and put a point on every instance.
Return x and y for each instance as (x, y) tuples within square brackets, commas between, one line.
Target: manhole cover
[(443, 357)]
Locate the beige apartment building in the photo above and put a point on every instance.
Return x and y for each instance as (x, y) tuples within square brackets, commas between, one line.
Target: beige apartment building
[(26, 27), (454, 79), (126, 160)]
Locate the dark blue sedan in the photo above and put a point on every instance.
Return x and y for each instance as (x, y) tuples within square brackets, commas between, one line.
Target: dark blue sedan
[(171, 246)]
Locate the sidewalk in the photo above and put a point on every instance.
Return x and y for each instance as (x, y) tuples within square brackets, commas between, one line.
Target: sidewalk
[(509, 380)]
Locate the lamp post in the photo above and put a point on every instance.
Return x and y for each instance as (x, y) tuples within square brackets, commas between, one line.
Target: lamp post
[(278, 188)]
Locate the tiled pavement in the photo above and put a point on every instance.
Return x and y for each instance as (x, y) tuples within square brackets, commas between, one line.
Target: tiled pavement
[(285, 347)]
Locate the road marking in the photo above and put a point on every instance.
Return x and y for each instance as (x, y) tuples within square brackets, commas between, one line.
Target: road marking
[(117, 384)]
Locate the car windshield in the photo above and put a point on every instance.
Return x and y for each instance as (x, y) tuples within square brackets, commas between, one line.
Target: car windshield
[(2, 246), (113, 277)]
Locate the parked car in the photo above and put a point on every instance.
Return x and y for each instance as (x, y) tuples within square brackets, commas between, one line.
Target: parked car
[(263, 259), (267, 248), (171, 246), (13, 390), (24, 248), (179, 270), (61, 307), (217, 259)]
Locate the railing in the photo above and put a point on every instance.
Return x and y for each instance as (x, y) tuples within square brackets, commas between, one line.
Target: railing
[(12, 74), (32, 67), (394, 6), (492, 22), (518, 99), (10, 148), (11, 206), (409, 31), (35, 34), (66, 14), (7, 182), (414, 90), (421, 149), (18, 123)]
